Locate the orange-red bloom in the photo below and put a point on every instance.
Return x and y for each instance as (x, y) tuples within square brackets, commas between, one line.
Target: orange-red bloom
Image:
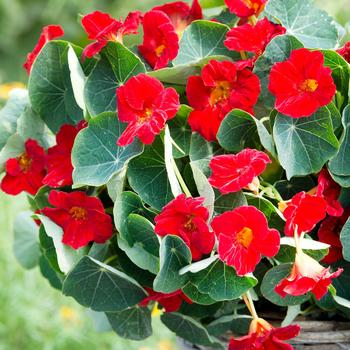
[(262, 336), (330, 191), (232, 172), (170, 302), (59, 163), (221, 87), (160, 40), (307, 276), (26, 172), (145, 105), (253, 38), (301, 84), (187, 218), (244, 237), (82, 218), (245, 8), (181, 14), (48, 33), (345, 51), (304, 212), (329, 232), (102, 28)]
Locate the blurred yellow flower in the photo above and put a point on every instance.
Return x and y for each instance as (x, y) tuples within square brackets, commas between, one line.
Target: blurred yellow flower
[(69, 315), (6, 88)]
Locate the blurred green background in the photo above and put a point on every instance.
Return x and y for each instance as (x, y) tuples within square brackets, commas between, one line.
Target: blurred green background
[(33, 316)]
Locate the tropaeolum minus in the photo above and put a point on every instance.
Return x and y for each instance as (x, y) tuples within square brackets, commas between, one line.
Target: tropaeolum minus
[(193, 256)]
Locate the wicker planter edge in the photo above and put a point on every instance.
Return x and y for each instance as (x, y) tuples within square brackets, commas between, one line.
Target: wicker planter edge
[(315, 335)]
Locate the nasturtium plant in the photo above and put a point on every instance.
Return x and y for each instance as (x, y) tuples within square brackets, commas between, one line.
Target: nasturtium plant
[(203, 173)]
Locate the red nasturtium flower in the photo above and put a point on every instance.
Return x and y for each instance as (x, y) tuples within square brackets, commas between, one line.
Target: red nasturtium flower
[(329, 232), (232, 172), (244, 237), (330, 191), (345, 51), (301, 84), (160, 40), (48, 33), (171, 302), (221, 87), (145, 105), (253, 38), (304, 212), (26, 172), (102, 28), (245, 8), (181, 14), (59, 163), (82, 218), (262, 336), (187, 218), (307, 276)]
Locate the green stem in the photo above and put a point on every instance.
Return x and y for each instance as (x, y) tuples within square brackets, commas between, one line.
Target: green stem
[(110, 259), (180, 179)]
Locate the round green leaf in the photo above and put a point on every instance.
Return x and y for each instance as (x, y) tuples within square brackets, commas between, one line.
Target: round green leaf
[(196, 296), (203, 39), (345, 240), (102, 287), (148, 177), (96, 156), (340, 70), (26, 241), (181, 132), (226, 202), (100, 89), (221, 282), (17, 102), (271, 279), (117, 65), (340, 163), (174, 255), (143, 247), (128, 202), (287, 189), (189, 329), (53, 277), (304, 145), (134, 323), (309, 24), (50, 87), (177, 75), (238, 131), (66, 256)]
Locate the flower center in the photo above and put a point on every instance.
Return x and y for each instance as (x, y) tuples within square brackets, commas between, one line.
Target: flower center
[(189, 224), (25, 162), (78, 213), (160, 49), (220, 92), (254, 5), (309, 85), (146, 116), (245, 237)]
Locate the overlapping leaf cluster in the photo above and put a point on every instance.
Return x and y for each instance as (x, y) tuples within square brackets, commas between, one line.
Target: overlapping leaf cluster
[(133, 181)]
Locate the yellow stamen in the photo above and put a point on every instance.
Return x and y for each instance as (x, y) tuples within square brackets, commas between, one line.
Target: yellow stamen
[(159, 50), (245, 237), (25, 162), (78, 213), (309, 85), (220, 92)]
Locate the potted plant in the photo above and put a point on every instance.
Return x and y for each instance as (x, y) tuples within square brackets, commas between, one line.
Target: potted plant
[(203, 173)]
